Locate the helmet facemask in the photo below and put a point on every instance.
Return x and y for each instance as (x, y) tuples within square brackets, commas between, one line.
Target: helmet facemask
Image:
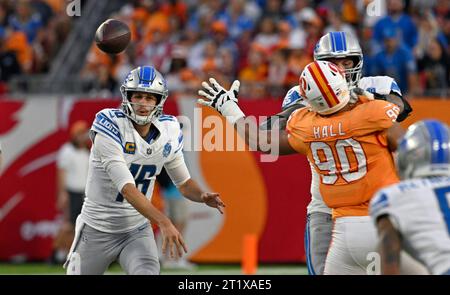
[(353, 75), (129, 108), (136, 83), (324, 51)]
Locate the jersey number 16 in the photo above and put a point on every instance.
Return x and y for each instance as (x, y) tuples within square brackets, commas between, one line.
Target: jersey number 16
[(142, 175)]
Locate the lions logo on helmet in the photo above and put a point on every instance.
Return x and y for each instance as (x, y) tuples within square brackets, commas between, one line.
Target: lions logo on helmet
[(324, 87), (143, 79)]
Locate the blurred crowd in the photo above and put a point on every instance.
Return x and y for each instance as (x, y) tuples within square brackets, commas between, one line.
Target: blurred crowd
[(31, 33), (264, 43)]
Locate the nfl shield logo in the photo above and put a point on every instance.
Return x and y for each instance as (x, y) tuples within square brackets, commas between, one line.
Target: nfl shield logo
[(167, 149), (149, 151)]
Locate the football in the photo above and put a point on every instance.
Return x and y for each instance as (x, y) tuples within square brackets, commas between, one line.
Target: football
[(112, 36)]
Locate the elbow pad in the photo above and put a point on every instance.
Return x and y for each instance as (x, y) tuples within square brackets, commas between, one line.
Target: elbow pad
[(407, 109)]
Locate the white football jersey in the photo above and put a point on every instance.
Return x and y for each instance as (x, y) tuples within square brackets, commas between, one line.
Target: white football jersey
[(382, 85), (419, 210), (105, 209)]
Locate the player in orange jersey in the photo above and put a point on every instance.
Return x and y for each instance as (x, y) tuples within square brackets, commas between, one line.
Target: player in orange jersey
[(347, 141)]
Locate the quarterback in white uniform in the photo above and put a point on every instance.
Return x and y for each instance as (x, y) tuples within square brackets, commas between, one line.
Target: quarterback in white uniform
[(414, 214), (342, 49), (130, 147)]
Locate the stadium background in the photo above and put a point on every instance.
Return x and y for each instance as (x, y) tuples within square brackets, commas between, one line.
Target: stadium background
[(52, 75)]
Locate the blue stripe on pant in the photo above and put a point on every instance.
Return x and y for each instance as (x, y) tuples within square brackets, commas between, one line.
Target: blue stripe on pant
[(308, 250)]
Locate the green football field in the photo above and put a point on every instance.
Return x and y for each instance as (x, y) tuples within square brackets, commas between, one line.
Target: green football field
[(208, 269)]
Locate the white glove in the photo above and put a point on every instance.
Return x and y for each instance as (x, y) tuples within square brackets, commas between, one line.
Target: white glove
[(225, 102), (356, 92)]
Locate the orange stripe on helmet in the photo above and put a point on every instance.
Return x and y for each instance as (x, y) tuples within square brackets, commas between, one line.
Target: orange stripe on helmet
[(321, 81)]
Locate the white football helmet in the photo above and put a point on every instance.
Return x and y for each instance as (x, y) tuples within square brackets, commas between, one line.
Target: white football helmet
[(324, 87), (143, 79)]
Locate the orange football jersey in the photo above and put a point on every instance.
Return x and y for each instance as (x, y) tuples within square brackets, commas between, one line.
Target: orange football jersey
[(349, 151)]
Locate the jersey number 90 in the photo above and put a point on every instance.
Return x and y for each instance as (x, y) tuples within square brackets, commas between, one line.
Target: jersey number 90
[(324, 160)]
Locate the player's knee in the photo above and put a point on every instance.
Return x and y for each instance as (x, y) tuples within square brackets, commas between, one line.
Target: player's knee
[(145, 266)]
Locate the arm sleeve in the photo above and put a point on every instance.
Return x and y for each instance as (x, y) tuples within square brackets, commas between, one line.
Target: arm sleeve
[(111, 156), (177, 170)]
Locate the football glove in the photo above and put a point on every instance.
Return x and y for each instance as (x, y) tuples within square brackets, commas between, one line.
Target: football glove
[(222, 100), (356, 92)]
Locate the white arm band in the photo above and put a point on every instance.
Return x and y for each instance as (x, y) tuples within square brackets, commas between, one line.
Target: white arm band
[(111, 155), (232, 112), (177, 170)]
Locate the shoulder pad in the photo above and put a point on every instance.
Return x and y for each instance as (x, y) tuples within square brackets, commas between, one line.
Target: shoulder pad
[(292, 96), (105, 123)]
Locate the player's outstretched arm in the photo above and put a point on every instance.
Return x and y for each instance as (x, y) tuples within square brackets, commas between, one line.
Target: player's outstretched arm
[(173, 242), (225, 102), (192, 191), (390, 246), (279, 120)]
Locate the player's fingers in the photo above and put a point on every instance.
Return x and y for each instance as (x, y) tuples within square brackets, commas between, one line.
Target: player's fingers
[(216, 198), (172, 248), (235, 86), (208, 88), (183, 244), (164, 246), (220, 208), (204, 102), (204, 94), (214, 84), (179, 249), (220, 202)]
